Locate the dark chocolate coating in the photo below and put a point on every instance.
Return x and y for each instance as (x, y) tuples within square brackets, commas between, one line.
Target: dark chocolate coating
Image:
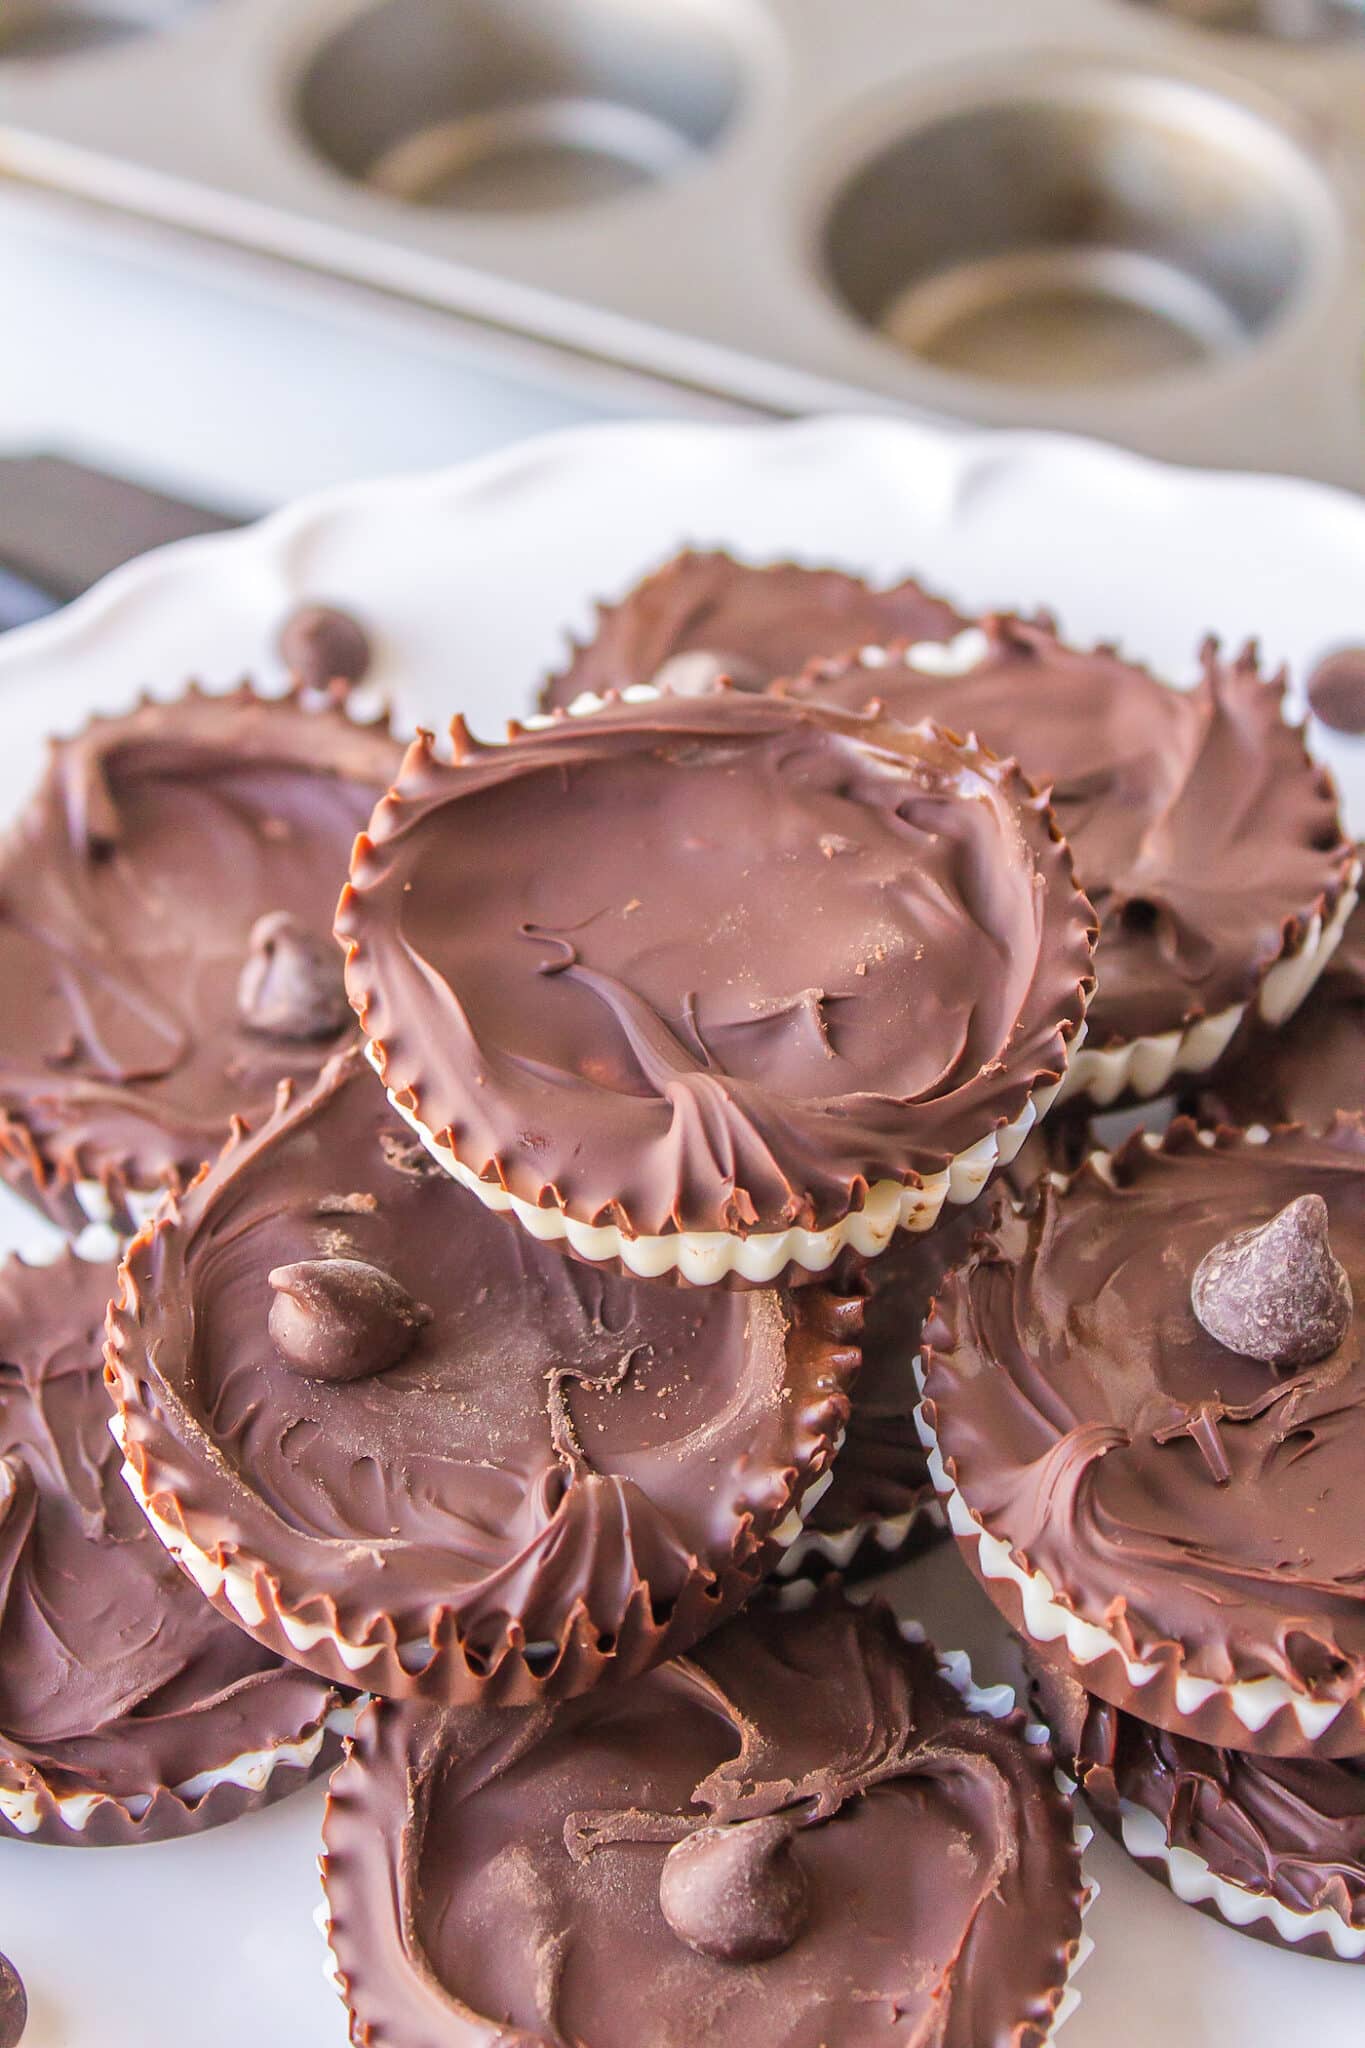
[(881, 1472), (496, 1881), (1286, 1828), (116, 1678), (566, 1476), (1312, 1066), (128, 893), (1203, 833), (1201, 1506), (713, 964), (755, 623)]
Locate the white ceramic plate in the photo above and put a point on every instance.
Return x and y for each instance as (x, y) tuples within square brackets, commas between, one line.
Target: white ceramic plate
[(469, 580)]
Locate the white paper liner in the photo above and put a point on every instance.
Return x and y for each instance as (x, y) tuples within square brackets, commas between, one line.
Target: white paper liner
[(235, 1583), (141, 1204), (1146, 1066), (696, 673), (252, 1771), (1046, 1620), (839, 1547), (1192, 1881), (706, 1256), (997, 1701)]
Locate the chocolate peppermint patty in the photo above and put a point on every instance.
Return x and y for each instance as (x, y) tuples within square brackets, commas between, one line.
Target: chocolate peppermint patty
[(129, 1710), (801, 1834), (1193, 1509), (716, 965), (1207, 839), (1287, 1832), (1313, 1066), (402, 1442), (165, 952), (702, 616)]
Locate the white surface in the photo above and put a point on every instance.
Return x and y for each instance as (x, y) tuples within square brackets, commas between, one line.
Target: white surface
[(469, 581)]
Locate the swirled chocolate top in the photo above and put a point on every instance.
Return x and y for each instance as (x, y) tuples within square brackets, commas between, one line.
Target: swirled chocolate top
[(116, 1677), (1203, 833), (799, 1835), (1287, 1828), (1200, 1503), (499, 1472), (1312, 1066), (165, 906), (715, 963), (702, 616)]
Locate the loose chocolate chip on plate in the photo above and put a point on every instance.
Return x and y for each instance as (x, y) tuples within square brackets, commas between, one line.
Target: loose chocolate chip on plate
[(13, 2005), (1336, 689), (325, 649)]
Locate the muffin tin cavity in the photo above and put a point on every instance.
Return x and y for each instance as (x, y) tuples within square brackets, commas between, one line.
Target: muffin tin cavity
[(1098, 219), (1107, 227), (59, 28), (1284, 21), (519, 106)]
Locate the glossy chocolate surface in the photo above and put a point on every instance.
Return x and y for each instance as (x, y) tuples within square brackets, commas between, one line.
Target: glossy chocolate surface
[(499, 1880), (554, 1476), (1202, 833), (116, 1677), (713, 964), (1202, 1506), (131, 889)]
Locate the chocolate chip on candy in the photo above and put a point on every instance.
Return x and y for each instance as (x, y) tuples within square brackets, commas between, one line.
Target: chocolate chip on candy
[(736, 1891), (13, 2005), (1336, 689), (342, 1319), (326, 650), (291, 985), (1276, 1292)]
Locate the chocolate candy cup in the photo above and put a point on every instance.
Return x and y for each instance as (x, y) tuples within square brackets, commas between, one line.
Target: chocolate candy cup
[(131, 890), (542, 1479), (1274, 1846), (1209, 842), (129, 1711), (701, 616), (906, 1852), (1176, 1524), (1314, 1066), (717, 985)]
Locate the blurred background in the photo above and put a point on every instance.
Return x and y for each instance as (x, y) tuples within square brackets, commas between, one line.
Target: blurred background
[(250, 247)]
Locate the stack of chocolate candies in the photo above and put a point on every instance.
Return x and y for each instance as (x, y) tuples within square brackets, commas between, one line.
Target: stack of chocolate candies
[(1157, 1482), (499, 1366)]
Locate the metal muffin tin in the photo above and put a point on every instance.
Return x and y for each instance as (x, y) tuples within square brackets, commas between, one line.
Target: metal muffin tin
[(1143, 219)]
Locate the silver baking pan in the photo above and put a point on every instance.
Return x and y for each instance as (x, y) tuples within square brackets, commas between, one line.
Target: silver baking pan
[(1123, 217)]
